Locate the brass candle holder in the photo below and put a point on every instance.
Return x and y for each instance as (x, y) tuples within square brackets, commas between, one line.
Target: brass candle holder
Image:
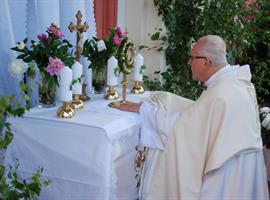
[(137, 88), (124, 94), (76, 102), (111, 94), (84, 96), (65, 111)]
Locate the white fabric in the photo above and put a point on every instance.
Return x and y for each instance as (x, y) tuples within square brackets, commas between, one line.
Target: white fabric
[(150, 137), (226, 183), (90, 156), (12, 28), (205, 136), (27, 18), (223, 72), (266, 153), (224, 180)]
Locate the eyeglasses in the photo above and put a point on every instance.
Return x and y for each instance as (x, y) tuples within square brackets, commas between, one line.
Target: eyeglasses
[(197, 57)]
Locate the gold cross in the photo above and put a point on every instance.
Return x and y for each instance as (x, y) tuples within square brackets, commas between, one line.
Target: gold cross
[(80, 28)]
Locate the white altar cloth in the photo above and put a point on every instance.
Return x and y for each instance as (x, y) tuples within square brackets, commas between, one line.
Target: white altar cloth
[(90, 156)]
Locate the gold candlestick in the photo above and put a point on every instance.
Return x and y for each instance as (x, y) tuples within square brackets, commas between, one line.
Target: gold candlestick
[(80, 29), (65, 111), (137, 88), (76, 102), (111, 94), (124, 92)]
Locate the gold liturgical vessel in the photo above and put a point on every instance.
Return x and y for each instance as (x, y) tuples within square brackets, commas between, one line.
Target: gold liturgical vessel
[(137, 88), (129, 61), (65, 111), (80, 29)]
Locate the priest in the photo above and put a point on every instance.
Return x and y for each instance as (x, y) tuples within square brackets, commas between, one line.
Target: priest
[(210, 148)]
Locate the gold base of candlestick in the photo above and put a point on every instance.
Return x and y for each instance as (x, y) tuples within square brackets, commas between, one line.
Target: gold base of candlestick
[(65, 111), (137, 88), (76, 102), (111, 94), (117, 104), (84, 96)]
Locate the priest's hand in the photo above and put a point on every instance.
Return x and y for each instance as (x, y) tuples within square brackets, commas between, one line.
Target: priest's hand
[(130, 107)]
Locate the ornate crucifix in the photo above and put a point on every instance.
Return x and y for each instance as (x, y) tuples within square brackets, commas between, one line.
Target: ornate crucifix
[(80, 28)]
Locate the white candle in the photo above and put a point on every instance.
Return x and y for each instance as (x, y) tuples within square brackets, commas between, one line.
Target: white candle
[(65, 94), (138, 62), (112, 79), (87, 73), (65, 76), (65, 80), (77, 73)]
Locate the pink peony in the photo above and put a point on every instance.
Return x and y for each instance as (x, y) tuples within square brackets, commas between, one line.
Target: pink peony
[(42, 36), (117, 40), (119, 32), (54, 66), (56, 31)]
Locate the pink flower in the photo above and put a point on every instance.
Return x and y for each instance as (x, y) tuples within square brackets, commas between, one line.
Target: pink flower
[(117, 40), (54, 66), (42, 36), (119, 32), (56, 31)]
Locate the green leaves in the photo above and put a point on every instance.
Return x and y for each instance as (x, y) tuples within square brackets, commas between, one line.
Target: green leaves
[(98, 59), (31, 70), (155, 36), (5, 103), (74, 81), (23, 86), (245, 31), (4, 142), (11, 185)]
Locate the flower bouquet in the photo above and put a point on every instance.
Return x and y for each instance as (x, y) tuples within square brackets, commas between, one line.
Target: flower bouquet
[(50, 53), (98, 51)]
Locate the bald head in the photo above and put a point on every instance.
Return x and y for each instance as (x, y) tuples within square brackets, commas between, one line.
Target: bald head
[(214, 48)]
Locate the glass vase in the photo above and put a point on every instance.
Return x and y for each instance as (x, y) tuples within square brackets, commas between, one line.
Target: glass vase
[(46, 95), (99, 82)]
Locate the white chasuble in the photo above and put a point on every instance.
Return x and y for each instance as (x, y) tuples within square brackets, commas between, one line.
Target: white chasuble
[(221, 125)]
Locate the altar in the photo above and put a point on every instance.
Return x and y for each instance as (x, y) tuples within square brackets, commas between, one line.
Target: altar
[(90, 156)]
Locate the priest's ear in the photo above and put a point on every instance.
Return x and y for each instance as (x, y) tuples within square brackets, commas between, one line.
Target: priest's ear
[(208, 61)]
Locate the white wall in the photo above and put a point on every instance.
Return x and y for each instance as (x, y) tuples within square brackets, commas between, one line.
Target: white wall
[(140, 18)]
